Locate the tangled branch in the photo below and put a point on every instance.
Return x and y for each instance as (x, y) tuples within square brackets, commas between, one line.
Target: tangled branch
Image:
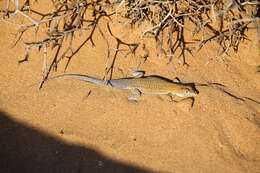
[(225, 22), (176, 25)]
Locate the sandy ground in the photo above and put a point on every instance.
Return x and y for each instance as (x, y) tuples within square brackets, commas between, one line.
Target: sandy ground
[(58, 129)]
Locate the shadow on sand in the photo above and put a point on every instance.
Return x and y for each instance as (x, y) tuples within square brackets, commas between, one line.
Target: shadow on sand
[(24, 149)]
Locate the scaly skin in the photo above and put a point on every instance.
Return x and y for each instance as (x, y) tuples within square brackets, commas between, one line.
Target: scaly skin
[(154, 85), (146, 85)]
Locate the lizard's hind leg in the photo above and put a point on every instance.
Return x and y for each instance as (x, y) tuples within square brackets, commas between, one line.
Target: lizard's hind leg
[(135, 95), (138, 73)]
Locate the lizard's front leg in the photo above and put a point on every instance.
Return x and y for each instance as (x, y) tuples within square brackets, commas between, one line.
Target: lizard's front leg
[(173, 99)]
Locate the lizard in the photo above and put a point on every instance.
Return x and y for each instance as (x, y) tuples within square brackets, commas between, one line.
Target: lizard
[(142, 85)]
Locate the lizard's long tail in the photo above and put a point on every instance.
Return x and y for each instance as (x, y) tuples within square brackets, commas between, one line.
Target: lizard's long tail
[(82, 78)]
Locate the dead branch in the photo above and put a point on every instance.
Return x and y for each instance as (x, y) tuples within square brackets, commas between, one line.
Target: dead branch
[(131, 46), (225, 22)]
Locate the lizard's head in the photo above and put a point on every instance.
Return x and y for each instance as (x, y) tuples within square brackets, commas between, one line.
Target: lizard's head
[(187, 91)]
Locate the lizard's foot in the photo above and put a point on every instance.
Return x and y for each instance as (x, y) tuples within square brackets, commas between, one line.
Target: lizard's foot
[(172, 98), (186, 103), (138, 73), (135, 95)]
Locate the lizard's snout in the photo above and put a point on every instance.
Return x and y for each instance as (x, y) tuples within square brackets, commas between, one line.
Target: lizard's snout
[(195, 91), (190, 92)]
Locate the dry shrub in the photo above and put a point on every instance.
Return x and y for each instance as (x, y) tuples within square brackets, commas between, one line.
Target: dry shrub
[(225, 22)]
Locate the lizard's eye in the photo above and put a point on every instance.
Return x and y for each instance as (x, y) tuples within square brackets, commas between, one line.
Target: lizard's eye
[(187, 91)]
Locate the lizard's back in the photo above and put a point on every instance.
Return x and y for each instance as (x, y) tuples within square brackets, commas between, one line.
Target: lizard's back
[(148, 85)]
